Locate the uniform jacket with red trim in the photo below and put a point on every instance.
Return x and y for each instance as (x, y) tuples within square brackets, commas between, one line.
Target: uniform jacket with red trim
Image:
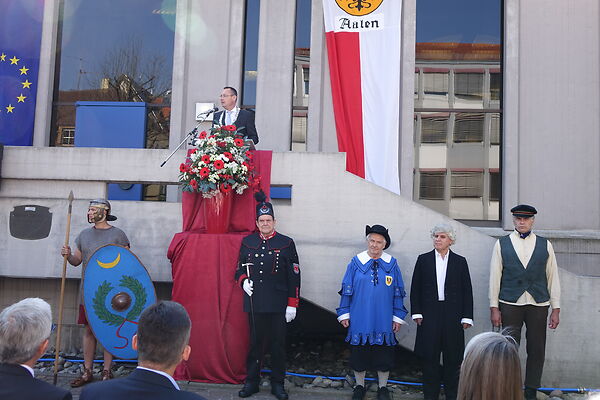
[(274, 270)]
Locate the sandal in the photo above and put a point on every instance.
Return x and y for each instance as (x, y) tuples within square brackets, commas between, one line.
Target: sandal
[(85, 378), (107, 375)]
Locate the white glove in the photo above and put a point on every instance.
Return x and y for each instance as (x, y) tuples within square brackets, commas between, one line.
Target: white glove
[(247, 285), (290, 313)]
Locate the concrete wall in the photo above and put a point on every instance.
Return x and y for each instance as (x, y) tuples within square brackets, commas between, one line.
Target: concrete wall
[(326, 216), (551, 121)]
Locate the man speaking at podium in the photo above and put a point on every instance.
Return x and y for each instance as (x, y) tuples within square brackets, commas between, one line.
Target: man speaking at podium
[(233, 115)]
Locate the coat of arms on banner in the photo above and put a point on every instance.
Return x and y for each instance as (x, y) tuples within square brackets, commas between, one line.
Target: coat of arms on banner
[(116, 289), (358, 8)]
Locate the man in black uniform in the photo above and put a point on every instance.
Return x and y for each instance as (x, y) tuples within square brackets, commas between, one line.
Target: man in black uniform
[(269, 273)]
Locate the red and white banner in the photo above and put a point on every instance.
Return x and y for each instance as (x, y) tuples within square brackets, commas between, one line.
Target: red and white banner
[(363, 44)]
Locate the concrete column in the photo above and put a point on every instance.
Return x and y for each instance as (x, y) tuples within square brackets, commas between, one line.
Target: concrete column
[(321, 135), (45, 90), (406, 163), (510, 136), (274, 84)]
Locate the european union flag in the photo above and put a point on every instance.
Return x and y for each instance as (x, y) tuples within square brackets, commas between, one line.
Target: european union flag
[(20, 39)]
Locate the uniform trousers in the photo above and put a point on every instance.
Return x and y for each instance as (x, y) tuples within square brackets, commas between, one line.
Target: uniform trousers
[(535, 318), (267, 330)]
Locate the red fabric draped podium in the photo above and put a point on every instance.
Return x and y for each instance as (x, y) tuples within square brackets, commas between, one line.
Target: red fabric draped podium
[(203, 281)]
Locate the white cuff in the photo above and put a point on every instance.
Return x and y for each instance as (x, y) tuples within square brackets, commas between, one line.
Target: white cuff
[(343, 317), (467, 321), (415, 316), (398, 320)]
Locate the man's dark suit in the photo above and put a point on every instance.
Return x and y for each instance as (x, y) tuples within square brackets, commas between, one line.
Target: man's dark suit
[(244, 122), (139, 385), (441, 330), (16, 383)]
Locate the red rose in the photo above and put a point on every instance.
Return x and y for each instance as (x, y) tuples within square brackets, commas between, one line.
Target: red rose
[(238, 142), (204, 172), (219, 164), (194, 184), (249, 154), (229, 128), (182, 167), (228, 155), (206, 159), (225, 187), (203, 135), (221, 144)]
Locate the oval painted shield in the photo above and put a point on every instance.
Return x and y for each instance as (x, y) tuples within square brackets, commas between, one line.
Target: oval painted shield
[(116, 289), (359, 8)]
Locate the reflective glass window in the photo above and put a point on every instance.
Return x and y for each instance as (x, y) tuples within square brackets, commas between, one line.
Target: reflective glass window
[(458, 74), (301, 75), (115, 51), (250, 53)]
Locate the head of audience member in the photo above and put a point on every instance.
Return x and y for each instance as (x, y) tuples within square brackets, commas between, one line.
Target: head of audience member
[(378, 240), (443, 236), (491, 369), (523, 217), (24, 331), (162, 337), (228, 98)]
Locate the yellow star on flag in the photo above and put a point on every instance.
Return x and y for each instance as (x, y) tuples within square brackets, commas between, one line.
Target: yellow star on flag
[(24, 71), (2, 57), (10, 108), (21, 98), (14, 60), (26, 84)]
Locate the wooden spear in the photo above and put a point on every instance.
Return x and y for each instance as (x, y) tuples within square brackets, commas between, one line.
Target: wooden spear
[(62, 289)]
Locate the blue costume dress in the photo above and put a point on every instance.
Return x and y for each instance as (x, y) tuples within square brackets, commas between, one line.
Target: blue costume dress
[(372, 297)]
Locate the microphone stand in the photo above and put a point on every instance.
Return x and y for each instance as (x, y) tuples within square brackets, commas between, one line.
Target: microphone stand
[(190, 135)]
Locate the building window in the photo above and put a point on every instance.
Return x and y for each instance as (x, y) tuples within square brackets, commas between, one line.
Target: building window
[(466, 184), (432, 185), (468, 84), (132, 61), (495, 186), (305, 75), (495, 85), (250, 53), (468, 128), (435, 83), (301, 75), (434, 129), (66, 136), (495, 129)]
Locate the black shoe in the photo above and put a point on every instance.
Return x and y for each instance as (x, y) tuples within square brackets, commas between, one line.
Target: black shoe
[(278, 391), (248, 390), (383, 393), (359, 392), (530, 393)]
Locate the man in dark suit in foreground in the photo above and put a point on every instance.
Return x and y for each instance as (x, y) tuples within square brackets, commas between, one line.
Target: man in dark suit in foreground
[(441, 299), (162, 343), (233, 115), (24, 331)]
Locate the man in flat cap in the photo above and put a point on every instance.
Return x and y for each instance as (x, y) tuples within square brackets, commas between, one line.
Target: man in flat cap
[(523, 285), (372, 308), (269, 273), (87, 242)]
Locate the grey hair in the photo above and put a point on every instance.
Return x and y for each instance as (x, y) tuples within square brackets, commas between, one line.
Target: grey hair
[(369, 236), (444, 228), (23, 327)]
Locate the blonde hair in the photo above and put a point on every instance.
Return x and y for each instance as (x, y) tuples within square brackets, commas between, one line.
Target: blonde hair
[(491, 369)]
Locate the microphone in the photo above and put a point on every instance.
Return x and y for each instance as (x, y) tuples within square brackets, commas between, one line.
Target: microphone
[(208, 112)]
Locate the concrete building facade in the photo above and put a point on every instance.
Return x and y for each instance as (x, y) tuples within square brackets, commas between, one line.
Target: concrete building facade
[(549, 156)]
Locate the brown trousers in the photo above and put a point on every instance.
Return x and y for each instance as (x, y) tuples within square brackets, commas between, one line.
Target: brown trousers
[(535, 319)]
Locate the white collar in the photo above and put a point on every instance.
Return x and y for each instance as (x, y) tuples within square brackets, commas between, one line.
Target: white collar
[(28, 368), (438, 254), (163, 374), (364, 257)]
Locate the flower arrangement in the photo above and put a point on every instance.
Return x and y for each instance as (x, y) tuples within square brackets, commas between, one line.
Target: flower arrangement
[(220, 163)]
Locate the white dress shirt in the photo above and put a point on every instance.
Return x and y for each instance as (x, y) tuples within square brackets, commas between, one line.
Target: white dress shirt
[(163, 374)]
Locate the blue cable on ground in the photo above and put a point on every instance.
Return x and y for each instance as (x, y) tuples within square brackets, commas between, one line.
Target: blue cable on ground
[(340, 378)]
